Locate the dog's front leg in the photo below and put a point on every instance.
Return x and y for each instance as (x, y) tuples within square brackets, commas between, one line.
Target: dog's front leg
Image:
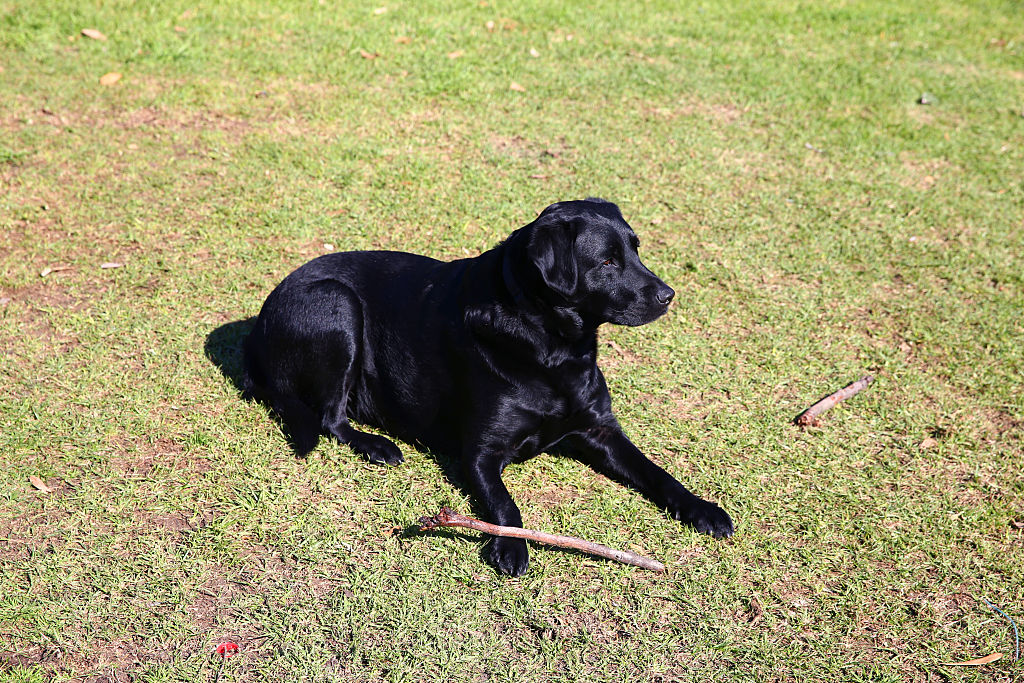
[(610, 452), (509, 555)]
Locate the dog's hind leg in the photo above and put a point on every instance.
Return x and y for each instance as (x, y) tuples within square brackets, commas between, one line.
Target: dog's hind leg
[(376, 449), (343, 361)]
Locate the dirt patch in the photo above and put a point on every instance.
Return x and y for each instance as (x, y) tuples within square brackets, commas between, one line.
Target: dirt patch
[(153, 117), (213, 599), (548, 496), (32, 311), (129, 119), (711, 111), (612, 355), (724, 113), (137, 457), (1004, 426), (698, 405), (924, 174), (32, 532), (518, 147)]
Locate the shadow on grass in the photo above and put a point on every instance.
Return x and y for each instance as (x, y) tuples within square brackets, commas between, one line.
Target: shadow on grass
[(224, 349)]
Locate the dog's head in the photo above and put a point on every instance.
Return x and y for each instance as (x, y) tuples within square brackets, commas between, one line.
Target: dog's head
[(583, 256)]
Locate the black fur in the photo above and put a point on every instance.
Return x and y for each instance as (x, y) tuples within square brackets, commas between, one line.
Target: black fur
[(490, 359)]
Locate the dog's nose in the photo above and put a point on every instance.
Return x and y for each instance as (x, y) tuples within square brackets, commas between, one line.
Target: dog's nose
[(665, 295)]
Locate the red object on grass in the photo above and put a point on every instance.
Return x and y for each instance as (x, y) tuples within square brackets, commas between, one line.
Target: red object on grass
[(225, 650)]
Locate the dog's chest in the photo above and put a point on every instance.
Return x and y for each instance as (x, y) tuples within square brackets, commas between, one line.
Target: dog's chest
[(564, 402)]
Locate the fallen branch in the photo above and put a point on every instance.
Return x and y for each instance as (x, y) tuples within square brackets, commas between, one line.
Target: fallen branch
[(449, 518), (810, 416)]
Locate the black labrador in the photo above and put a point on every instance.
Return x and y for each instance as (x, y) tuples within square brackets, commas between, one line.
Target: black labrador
[(491, 359)]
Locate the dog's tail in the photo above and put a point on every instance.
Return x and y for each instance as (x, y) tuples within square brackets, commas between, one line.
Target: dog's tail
[(303, 424)]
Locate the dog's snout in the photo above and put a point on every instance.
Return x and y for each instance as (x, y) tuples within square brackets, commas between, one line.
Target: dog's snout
[(665, 294)]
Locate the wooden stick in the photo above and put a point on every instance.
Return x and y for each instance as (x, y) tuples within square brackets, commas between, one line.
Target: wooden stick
[(449, 518), (810, 416)]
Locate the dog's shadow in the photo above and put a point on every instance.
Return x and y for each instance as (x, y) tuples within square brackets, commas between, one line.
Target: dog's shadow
[(223, 347)]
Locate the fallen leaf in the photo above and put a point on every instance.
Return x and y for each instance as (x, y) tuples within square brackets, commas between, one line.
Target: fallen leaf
[(367, 55), (456, 54), (4, 300), (52, 269), (111, 264), (380, 10), (977, 662), (404, 40), (538, 176), (93, 33), (756, 610), (110, 78), (1015, 524), (928, 442), (515, 86), (39, 483), (489, 25), (534, 53), (180, 29)]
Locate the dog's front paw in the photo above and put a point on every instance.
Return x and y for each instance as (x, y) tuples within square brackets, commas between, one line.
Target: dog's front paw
[(705, 517), (510, 555)]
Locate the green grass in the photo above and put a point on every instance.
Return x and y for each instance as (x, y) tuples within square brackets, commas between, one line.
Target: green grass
[(817, 222)]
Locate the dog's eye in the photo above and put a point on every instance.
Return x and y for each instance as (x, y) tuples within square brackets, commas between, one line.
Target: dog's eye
[(609, 262)]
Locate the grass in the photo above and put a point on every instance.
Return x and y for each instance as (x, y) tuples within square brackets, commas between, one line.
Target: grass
[(817, 222)]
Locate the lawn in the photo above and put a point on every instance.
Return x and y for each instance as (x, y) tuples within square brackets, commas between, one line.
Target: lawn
[(833, 189)]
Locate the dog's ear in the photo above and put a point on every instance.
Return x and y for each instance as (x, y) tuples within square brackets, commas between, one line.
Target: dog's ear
[(551, 249)]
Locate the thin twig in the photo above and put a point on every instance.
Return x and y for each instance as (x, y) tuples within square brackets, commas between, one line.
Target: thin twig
[(810, 416), (1016, 633), (449, 518)]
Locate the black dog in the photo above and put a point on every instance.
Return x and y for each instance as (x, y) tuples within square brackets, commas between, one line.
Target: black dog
[(489, 359)]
